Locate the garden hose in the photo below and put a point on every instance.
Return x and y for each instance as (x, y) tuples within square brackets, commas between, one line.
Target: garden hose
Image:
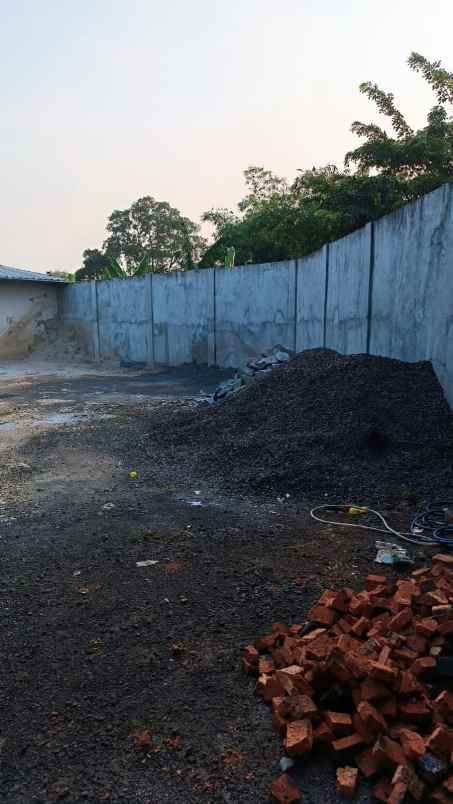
[(432, 526)]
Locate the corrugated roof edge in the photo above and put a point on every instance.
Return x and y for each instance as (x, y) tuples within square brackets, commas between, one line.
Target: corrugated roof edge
[(22, 275)]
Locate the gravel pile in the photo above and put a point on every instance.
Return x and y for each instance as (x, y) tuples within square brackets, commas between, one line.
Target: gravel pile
[(325, 424)]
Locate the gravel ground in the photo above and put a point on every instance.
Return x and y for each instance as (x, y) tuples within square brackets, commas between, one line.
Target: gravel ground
[(122, 683)]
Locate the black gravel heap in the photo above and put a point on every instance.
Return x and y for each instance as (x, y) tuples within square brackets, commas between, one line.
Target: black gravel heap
[(348, 427)]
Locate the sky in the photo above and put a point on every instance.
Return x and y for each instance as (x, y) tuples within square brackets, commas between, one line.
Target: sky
[(104, 101)]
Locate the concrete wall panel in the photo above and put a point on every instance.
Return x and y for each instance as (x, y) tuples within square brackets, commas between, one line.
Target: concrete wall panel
[(79, 315), (348, 292), (412, 300), (123, 322), (255, 310), (311, 283), (182, 317)]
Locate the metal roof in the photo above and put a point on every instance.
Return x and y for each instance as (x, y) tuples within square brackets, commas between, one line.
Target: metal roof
[(21, 275)]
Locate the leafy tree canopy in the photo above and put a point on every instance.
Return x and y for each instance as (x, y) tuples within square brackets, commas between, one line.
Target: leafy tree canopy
[(156, 231), (279, 221)]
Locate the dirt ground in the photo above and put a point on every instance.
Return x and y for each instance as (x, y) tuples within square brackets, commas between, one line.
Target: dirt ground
[(121, 682)]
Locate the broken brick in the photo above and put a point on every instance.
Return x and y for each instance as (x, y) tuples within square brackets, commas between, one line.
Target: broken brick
[(347, 743), (383, 672), (347, 781), (440, 741), (284, 791), (412, 744), (299, 738), (373, 719), (340, 723), (322, 615)]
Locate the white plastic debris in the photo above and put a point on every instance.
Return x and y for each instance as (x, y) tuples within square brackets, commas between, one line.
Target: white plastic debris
[(286, 763), (108, 506), (389, 553), (148, 563)]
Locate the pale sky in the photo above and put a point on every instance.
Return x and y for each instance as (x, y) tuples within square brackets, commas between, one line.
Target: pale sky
[(104, 101)]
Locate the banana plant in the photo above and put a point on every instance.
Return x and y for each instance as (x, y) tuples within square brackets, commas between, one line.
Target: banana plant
[(116, 271)]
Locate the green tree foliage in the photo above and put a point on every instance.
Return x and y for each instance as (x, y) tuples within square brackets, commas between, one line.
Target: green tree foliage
[(62, 275), (155, 231), (279, 221), (95, 263)]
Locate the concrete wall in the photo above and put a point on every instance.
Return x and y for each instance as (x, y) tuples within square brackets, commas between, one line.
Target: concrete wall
[(27, 311), (183, 317), (385, 289), (255, 309)]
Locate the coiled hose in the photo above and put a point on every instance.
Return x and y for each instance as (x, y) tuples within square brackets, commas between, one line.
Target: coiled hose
[(429, 527)]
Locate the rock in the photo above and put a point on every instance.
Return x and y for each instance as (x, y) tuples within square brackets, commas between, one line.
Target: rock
[(286, 763)]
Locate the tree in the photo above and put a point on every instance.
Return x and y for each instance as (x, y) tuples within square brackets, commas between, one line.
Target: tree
[(156, 231), (62, 275), (95, 263), (278, 221)]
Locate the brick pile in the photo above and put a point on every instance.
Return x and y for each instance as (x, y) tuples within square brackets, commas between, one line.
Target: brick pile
[(364, 681)]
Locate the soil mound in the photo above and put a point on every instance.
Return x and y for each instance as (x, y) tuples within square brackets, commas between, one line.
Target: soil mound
[(328, 424)]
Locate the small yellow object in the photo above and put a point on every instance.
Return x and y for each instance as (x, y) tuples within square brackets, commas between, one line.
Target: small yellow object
[(133, 475), (354, 511)]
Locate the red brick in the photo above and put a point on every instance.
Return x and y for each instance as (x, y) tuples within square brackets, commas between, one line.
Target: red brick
[(299, 707), (426, 627), (361, 627), (279, 628), (416, 712), (347, 643), (299, 738), (372, 718), (440, 740), (313, 635), (347, 781), (448, 784), (292, 680), (359, 726), (383, 672), (412, 744), (408, 684), (374, 580), (295, 629), (389, 708), (266, 642), (400, 620), (442, 612), (382, 791), (269, 687), (372, 690), (368, 762), (251, 654), (398, 793), (340, 723), (440, 796), (446, 627), (416, 643), (322, 734), (389, 751), (443, 559), (423, 665), (323, 615), (284, 791), (347, 743), (358, 665)]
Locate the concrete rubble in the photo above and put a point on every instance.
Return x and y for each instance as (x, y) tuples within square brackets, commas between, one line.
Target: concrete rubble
[(257, 368), (365, 679)]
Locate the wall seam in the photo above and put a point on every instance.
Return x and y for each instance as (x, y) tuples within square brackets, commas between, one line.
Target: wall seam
[(214, 314), (370, 290), (326, 290), (296, 290), (151, 317)]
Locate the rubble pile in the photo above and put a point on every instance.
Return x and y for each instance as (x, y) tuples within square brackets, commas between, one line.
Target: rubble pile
[(367, 679), (255, 369)]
